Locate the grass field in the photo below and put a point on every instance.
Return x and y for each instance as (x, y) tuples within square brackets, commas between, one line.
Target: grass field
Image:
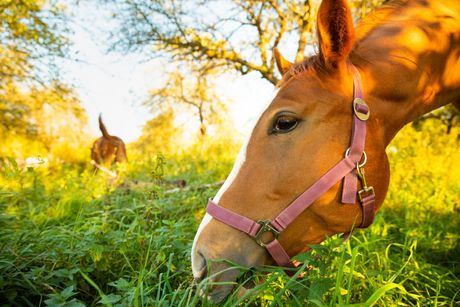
[(72, 238)]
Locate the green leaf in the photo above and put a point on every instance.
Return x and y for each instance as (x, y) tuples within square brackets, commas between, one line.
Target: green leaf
[(381, 291), (67, 292), (110, 299), (318, 288)]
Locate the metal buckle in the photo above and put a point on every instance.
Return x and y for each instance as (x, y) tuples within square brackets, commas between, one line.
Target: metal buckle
[(369, 190), (364, 157), (362, 116), (366, 188), (265, 227)]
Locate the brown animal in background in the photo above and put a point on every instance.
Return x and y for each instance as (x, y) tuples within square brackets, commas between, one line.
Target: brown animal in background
[(108, 148)]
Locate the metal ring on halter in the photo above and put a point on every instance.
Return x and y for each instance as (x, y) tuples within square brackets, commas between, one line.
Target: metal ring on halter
[(266, 227), (347, 153)]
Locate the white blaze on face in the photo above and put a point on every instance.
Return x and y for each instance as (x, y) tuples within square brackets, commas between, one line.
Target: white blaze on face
[(207, 218), (241, 158)]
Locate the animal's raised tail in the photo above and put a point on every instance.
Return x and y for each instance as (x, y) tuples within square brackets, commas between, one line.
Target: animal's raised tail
[(103, 129)]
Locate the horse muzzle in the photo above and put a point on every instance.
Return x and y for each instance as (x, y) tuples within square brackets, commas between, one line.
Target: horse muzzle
[(219, 254)]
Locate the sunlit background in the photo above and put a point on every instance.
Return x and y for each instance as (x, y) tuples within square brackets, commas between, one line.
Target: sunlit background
[(117, 84), (76, 233)]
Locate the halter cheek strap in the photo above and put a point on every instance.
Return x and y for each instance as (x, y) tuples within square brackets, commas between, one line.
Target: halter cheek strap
[(350, 168)]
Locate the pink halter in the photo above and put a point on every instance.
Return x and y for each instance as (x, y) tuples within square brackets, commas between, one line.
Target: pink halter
[(349, 168)]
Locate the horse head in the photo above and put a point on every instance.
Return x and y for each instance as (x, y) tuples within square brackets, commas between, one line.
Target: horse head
[(301, 135), (295, 180)]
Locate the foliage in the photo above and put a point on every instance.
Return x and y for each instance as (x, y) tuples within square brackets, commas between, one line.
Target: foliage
[(159, 134), (47, 121), (196, 91), (236, 35), (448, 115), (32, 35), (70, 237), (38, 114)]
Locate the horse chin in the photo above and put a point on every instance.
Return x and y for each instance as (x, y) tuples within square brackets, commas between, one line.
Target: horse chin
[(218, 294), (219, 285), (225, 282)]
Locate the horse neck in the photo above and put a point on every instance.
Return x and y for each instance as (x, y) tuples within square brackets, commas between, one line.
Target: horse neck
[(410, 58)]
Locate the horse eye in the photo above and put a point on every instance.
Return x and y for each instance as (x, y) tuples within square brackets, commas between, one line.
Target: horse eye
[(285, 123)]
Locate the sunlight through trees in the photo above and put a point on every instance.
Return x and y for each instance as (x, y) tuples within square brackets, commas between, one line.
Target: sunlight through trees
[(35, 107)]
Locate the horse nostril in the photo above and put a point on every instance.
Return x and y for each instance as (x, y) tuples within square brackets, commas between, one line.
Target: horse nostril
[(201, 274)]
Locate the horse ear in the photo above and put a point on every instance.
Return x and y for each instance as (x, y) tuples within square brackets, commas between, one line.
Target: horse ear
[(282, 64), (335, 32)]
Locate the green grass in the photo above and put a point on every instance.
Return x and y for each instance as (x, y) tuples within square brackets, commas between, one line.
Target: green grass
[(72, 238)]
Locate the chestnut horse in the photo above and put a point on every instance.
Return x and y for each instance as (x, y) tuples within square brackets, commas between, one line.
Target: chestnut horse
[(406, 53), (108, 148)]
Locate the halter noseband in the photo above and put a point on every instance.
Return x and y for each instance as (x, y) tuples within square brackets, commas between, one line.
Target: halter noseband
[(350, 168)]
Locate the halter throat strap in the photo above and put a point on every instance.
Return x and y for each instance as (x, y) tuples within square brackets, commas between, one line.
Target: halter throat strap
[(350, 168)]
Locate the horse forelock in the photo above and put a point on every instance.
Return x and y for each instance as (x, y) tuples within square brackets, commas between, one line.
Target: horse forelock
[(310, 64)]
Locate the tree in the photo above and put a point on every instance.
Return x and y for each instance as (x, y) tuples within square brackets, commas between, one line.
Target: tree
[(38, 114), (32, 36), (202, 39), (195, 91), (233, 35), (159, 134), (41, 121), (237, 35)]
